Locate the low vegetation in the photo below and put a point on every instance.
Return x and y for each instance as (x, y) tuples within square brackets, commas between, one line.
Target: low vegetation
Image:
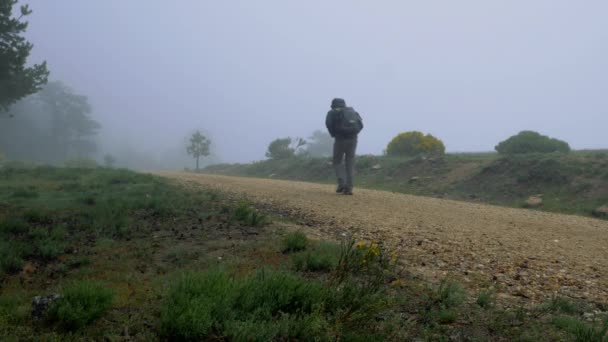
[(82, 303), (131, 256)]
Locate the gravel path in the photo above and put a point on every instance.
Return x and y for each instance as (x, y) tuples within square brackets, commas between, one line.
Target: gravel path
[(522, 252)]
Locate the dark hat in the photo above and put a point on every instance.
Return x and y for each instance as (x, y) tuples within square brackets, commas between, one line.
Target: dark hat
[(338, 103)]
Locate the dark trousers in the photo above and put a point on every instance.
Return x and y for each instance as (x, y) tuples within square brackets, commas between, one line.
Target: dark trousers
[(344, 161)]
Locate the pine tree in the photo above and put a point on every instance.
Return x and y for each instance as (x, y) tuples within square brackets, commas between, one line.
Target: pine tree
[(16, 80)]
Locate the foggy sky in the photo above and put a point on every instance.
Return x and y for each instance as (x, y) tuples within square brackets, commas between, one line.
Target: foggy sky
[(470, 72)]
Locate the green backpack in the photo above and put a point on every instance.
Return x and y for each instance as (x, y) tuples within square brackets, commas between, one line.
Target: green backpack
[(348, 123)]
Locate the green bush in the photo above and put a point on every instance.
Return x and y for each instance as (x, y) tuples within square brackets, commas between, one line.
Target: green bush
[(48, 244), (530, 142), (249, 216), (201, 305), (369, 262), (485, 299), (582, 331), (82, 303), (415, 143), (550, 171), (13, 226), (284, 148), (440, 305), (450, 294), (294, 242), (196, 304), (323, 257), (13, 310), (269, 305), (11, 257)]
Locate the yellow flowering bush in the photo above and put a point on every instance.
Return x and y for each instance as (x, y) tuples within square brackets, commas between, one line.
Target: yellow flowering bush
[(367, 260), (415, 143)]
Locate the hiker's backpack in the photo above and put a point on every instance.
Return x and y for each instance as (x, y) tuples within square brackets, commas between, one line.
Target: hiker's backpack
[(348, 123)]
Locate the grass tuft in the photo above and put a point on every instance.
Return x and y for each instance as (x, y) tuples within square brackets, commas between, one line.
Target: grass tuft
[(247, 215), (323, 257), (269, 305), (82, 303), (13, 226), (485, 299), (581, 331), (295, 242)]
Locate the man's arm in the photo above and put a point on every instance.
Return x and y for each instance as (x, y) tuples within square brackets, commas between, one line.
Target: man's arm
[(360, 122), (329, 123)]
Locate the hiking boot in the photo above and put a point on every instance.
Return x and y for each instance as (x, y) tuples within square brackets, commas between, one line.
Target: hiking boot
[(347, 192), (340, 189)]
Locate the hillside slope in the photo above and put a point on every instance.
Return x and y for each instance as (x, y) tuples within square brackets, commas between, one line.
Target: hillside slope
[(576, 183)]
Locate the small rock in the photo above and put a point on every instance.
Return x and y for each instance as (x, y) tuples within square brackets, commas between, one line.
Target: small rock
[(601, 211), (41, 304), (534, 202), (413, 179), (377, 167)]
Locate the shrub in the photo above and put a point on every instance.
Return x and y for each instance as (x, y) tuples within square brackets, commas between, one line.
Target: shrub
[(449, 295), (249, 216), (370, 262), (550, 171), (323, 257), (582, 331), (82, 303), (13, 310), (294, 242), (196, 303), (485, 299), (284, 148), (47, 245), (529, 142), (415, 143), (440, 304), (11, 258), (13, 226), (320, 144), (267, 306)]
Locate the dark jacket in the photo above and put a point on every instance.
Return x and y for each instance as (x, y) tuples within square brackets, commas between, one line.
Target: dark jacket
[(331, 120)]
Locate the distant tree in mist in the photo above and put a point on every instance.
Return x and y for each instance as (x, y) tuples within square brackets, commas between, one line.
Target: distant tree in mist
[(71, 124), (51, 126), (530, 142), (16, 80), (199, 146), (284, 148), (109, 161), (320, 144)]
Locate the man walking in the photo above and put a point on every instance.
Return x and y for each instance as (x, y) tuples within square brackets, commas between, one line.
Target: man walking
[(344, 124)]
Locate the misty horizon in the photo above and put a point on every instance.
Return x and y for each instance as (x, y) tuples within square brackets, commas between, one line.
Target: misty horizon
[(471, 73)]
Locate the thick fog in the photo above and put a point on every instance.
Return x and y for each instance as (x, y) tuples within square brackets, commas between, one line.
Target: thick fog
[(469, 72)]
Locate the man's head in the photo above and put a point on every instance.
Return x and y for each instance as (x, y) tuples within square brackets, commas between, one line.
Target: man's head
[(338, 103)]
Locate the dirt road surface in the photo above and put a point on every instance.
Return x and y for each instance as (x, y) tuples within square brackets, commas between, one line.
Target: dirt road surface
[(523, 253)]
